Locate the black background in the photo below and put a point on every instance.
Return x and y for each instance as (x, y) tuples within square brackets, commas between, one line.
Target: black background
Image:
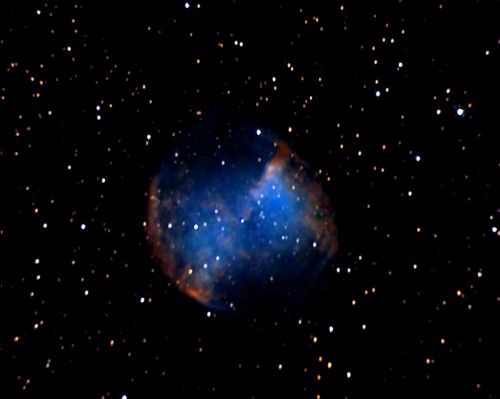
[(431, 330)]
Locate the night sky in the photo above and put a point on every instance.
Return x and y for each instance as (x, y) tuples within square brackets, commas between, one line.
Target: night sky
[(392, 105)]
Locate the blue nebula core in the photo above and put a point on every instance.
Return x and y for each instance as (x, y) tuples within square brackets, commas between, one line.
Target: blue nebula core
[(238, 221)]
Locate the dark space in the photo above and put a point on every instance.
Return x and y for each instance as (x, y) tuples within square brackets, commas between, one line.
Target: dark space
[(393, 105)]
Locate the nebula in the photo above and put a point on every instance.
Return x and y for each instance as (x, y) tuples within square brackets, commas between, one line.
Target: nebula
[(238, 221)]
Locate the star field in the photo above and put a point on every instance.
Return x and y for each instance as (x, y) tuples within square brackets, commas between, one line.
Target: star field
[(392, 105)]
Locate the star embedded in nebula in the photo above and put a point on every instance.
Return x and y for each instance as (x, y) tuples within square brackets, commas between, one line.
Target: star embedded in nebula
[(238, 220)]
